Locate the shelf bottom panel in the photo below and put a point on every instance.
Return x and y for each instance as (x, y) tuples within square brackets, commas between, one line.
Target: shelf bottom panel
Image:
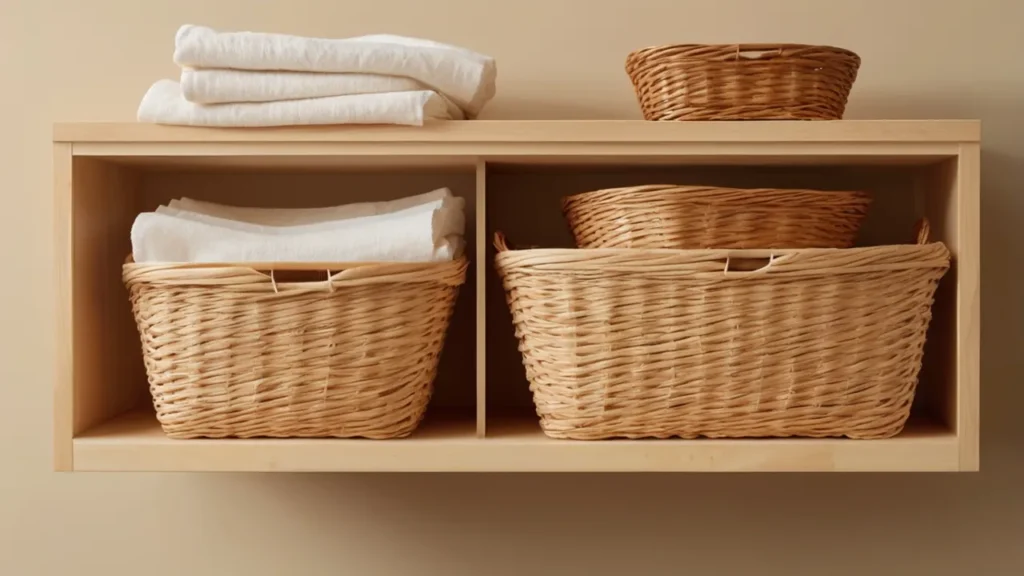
[(448, 443)]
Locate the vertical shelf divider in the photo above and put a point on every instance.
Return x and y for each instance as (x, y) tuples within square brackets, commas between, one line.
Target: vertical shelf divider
[(481, 298)]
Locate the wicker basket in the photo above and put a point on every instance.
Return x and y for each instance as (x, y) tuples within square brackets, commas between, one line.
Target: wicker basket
[(664, 343), (742, 81), (233, 352), (694, 217)]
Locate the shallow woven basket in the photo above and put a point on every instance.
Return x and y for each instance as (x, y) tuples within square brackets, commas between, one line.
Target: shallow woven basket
[(691, 217), (718, 343), (742, 81), (234, 352)]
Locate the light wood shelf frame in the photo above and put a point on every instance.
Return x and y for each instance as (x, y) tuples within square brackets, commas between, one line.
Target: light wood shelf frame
[(95, 427)]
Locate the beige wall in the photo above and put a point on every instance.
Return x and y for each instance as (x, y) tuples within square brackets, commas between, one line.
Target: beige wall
[(91, 60)]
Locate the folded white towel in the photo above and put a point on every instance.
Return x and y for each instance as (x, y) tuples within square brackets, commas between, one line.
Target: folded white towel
[(217, 86), (466, 77), (425, 233), (448, 216), (299, 216), (165, 104)]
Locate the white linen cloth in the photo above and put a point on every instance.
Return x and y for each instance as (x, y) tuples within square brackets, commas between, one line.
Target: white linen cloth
[(425, 232), (164, 103), (217, 86), (464, 76)]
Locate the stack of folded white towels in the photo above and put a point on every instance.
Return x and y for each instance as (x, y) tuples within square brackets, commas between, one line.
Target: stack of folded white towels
[(424, 228), (259, 79)]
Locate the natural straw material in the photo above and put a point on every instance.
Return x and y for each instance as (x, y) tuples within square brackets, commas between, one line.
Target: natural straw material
[(234, 352), (742, 81), (688, 217), (718, 343)]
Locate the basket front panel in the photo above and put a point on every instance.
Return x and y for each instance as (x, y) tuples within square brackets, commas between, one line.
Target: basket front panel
[(754, 356), (358, 361)]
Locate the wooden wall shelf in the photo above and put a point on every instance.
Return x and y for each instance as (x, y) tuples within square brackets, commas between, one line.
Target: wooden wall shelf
[(512, 174)]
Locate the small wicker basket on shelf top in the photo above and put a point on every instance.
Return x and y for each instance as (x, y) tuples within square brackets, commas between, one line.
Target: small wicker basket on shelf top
[(718, 343), (742, 81), (231, 351), (692, 217)]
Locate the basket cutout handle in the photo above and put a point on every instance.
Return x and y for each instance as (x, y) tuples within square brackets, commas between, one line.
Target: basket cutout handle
[(744, 265), (313, 278), (757, 51)]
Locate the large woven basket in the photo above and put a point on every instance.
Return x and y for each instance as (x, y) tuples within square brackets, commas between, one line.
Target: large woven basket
[(691, 217), (718, 343), (742, 81), (234, 352)]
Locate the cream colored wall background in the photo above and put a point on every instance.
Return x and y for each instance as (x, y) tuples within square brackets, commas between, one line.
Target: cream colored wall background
[(68, 60)]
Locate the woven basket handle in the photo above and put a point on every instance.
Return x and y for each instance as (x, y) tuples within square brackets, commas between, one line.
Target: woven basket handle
[(923, 230), (500, 242)]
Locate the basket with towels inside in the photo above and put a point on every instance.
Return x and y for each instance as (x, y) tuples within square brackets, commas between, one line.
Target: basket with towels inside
[(324, 322)]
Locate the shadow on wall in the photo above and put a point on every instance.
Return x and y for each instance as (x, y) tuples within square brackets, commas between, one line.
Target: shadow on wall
[(456, 524)]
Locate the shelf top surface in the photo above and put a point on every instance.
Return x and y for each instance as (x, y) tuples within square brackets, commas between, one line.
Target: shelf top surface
[(542, 132)]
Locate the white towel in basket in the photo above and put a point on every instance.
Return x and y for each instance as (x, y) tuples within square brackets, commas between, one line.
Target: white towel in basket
[(297, 216), (428, 232), (464, 76)]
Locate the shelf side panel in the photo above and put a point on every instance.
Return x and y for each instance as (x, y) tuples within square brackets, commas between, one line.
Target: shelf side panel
[(968, 323), (63, 393)]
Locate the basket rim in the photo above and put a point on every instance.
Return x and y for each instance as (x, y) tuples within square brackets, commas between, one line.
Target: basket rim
[(632, 264), (857, 194), (252, 274), (716, 252), (677, 262), (638, 52)]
